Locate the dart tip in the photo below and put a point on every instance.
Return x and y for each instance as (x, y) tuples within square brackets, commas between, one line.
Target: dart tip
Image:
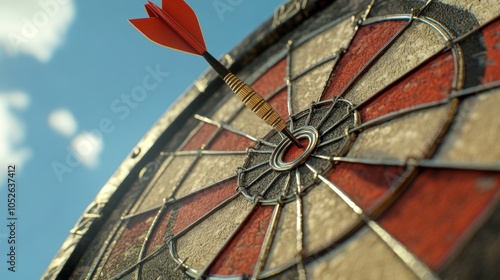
[(292, 138)]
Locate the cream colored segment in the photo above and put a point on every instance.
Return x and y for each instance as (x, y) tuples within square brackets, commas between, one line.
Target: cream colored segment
[(475, 135), (365, 256), (483, 10), (419, 42), (409, 136), (245, 121), (308, 88), (326, 216), (250, 124), (225, 111), (283, 248), (321, 46), (208, 170), (169, 175), (200, 245)]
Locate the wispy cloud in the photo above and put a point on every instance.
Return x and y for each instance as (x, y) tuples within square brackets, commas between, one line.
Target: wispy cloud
[(13, 150), (63, 122), (87, 148), (34, 27)]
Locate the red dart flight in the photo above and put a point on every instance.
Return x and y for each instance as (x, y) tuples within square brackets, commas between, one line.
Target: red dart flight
[(175, 25)]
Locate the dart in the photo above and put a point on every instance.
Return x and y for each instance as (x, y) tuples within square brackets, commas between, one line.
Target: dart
[(176, 26)]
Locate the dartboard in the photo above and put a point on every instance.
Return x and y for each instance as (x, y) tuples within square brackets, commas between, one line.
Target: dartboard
[(396, 106)]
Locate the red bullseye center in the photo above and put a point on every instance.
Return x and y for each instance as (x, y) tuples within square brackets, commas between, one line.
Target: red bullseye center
[(293, 152)]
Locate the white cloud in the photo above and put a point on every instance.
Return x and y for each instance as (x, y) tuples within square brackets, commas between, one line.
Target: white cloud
[(13, 150), (87, 148), (18, 100), (34, 27), (62, 122)]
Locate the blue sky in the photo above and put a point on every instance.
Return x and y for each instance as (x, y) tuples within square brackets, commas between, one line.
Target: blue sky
[(65, 69)]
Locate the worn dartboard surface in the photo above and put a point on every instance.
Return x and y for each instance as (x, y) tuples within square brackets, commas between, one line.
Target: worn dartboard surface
[(397, 104)]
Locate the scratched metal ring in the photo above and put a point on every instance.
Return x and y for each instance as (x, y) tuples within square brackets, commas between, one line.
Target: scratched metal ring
[(276, 159)]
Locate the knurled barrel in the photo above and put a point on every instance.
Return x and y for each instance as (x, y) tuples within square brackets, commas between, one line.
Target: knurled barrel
[(255, 102)]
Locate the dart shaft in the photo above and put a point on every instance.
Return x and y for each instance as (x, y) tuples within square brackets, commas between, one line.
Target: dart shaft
[(247, 95), (251, 99)]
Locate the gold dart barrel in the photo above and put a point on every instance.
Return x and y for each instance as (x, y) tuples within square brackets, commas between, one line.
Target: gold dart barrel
[(251, 99), (255, 102), (258, 105)]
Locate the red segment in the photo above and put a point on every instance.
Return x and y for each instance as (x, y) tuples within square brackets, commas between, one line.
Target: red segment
[(491, 36), (294, 152), (196, 206), (279, 103), (229, 141), (242, 253), (200, 138), (366, 43), (126, 251), (365, 184), (271, 80), (430, 83), (439, 209)]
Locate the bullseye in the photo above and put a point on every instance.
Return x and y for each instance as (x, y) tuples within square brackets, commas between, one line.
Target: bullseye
[(294, 152), (320, 131), (287, 156)]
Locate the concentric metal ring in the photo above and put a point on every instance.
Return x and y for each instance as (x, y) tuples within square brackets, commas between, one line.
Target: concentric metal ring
[(276, 159)]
